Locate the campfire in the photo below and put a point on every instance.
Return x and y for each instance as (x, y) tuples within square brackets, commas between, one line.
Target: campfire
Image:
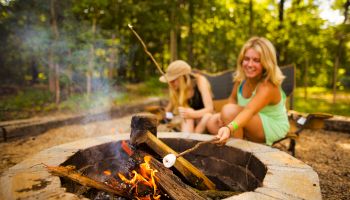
[(133, 169), (141, 183)]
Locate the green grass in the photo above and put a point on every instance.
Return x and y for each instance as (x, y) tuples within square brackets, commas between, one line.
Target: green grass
[(321, 100), (24, 103), (31, 101)]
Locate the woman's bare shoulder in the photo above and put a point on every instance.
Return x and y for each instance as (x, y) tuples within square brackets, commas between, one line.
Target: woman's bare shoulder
[(269, 90), (266, 85), (201, 80)]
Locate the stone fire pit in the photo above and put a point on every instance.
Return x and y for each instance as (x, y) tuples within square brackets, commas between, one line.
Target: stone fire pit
[(285, 178)]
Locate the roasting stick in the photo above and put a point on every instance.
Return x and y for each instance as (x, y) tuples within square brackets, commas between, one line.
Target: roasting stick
[(196, 146), (147, 52), (170, 159), (152, 58)]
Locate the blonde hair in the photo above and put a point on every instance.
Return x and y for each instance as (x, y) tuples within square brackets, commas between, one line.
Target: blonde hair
[(179, 97), (268, 60)]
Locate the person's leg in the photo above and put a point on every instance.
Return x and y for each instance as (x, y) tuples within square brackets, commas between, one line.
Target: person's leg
[(200, 128), (214, 123), (253, 130), (187, 125)]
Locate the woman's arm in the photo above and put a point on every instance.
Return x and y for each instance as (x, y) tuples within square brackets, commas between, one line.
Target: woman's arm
[(203, 86), (169, 107), (266, 94)]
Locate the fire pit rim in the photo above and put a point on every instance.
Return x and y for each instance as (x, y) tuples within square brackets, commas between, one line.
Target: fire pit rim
[(286, 178)]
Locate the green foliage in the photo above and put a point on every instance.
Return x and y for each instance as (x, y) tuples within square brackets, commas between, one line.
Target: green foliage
[(321, 100), (28, 98), (93, 38), (24, 103), (79, 103), (32, 101), (152, 87), (210, 35)]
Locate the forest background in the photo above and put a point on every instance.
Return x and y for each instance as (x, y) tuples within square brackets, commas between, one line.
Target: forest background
[(60, 55)]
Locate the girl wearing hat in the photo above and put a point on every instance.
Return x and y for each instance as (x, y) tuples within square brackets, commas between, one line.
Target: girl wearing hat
[(256, 109), (190, 96)]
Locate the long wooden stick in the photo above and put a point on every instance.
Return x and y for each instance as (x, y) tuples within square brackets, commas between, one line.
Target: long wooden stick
[(146, 50), (152, 58), (70, 173), (196, 147)]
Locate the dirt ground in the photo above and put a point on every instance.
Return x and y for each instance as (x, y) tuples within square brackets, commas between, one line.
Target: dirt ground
[(327, 152)]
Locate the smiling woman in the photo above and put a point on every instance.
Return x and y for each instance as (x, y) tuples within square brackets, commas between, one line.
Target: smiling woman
[(256, 108)]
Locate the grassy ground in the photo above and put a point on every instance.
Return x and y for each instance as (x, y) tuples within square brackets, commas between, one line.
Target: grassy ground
[(321, 100), (33, 101), (36, 100)]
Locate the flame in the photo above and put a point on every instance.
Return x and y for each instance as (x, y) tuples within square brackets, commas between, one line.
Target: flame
[(107, 172), (146, 176)]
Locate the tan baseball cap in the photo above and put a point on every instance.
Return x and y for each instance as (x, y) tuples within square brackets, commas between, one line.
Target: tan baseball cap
[(175, 70)]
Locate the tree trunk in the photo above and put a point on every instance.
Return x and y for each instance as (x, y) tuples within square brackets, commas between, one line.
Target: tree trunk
[(112, 59), (335, 73), (51, 70), (190, 33), (306, 77), (279, 47), (251, 18), (337, 57), (54, 63), (91, 60), (69, 73), (57, 84), (173, 34)]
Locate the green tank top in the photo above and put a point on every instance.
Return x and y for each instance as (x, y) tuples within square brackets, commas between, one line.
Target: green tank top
[(274, 117)]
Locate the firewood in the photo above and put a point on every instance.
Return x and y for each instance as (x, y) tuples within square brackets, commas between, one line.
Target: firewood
[(142, 128), (189, 171), (177, 189), (70, 173), (140, 124), (172, 184)]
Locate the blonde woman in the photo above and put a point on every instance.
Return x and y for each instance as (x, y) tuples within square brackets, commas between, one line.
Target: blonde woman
[(256, 109), (190, 96)]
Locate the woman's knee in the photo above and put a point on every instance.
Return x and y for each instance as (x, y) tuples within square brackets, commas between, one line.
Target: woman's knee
[(204, 120), (229, 112), (213, 123), (201, 126), (187, 125), (206, 117)]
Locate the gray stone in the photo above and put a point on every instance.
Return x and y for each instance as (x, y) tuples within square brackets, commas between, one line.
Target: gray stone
[(286, 178)]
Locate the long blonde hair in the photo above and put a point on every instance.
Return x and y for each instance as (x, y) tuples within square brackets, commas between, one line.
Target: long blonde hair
[(179, 97), (267, 58)]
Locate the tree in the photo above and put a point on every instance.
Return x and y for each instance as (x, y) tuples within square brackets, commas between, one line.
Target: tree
[(54, 66), (340, 35)]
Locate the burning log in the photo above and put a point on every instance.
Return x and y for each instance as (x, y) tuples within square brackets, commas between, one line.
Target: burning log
[(144, 130), (177, 189), (70, 173), (169, 182)]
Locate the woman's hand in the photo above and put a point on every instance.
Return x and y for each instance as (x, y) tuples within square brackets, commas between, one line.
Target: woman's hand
[(224, 134), (186, 113)]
